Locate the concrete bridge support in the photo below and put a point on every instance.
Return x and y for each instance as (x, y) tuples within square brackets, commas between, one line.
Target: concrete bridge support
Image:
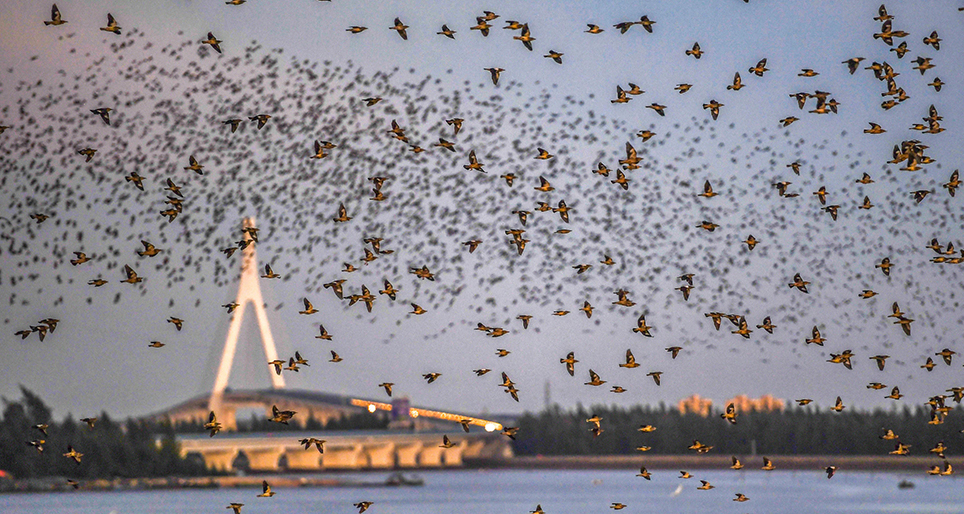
[(407, 455), (345, 457), (381, 455), (265, 459), (221, 460), (452, 457), (304, 460), (430, 456)]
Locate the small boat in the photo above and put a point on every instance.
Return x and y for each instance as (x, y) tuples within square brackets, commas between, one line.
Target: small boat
[(905, 484), (399, 479)]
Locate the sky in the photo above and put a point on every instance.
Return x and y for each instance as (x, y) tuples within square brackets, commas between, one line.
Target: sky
[(98, 358)]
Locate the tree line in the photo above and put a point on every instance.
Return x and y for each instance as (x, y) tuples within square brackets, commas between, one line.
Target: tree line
[(794, 431), (136, 449), (113, 449)]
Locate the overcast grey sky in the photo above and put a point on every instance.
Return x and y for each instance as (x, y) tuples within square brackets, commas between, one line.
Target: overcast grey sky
[(98, 359)]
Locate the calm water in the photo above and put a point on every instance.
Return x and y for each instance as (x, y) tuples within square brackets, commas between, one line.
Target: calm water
[(559, 492)]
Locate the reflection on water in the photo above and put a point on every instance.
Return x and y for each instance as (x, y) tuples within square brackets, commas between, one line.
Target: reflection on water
[(558, 491)]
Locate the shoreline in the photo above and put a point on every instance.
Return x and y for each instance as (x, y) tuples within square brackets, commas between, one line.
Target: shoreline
[(883, 463), (409, 476)]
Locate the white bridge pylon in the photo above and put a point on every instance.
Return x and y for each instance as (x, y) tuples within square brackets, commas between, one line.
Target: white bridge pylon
[(249, 291)]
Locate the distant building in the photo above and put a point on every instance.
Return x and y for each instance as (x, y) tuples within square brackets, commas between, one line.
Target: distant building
[(696, 405), (765, 403)]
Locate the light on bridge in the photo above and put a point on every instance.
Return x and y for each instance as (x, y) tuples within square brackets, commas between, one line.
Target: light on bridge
[(372, 408)]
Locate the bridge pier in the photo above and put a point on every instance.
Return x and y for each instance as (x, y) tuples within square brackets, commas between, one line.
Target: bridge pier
[(407, 454), (220, 460), (430, 457), (452, 457), (381, 455), (304, 460), (345, 457), (265, 459), (473, 449)]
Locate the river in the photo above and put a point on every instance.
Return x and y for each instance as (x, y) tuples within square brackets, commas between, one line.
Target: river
[(558, 491)]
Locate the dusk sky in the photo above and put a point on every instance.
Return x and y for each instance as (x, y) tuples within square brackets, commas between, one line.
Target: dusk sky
[(170, 95)]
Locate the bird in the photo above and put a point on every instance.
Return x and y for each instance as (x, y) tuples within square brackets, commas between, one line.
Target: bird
[(431, 377), (55, 17), (815, 337), (236, 507), (646, 23), (799, 283), (446, 443), (621, 96), (262, 119), (760, 68), (342, 215), (73, 454), (630, 361), (474, 163), (714, 108), (644, 473), (269, 273), (309, 308), (280, 416), (495, 73), (767, 465), (266, 490), (113, 28), (838, 405), (132, 277), (214, 42), (707, 192), (736, 463), (212, 425), (557, 57), (881, 360), (362, 506), (525, 37), (641, 326), (570, 363), (104, 113), (400, 28), (730, 414), (947, 354), (853, 63), (655, 375), (387, 386), (594, 379), (177, 322), (81, 258), (447, 32)]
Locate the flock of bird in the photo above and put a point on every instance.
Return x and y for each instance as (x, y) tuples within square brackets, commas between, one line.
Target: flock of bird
[(433, 208)]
